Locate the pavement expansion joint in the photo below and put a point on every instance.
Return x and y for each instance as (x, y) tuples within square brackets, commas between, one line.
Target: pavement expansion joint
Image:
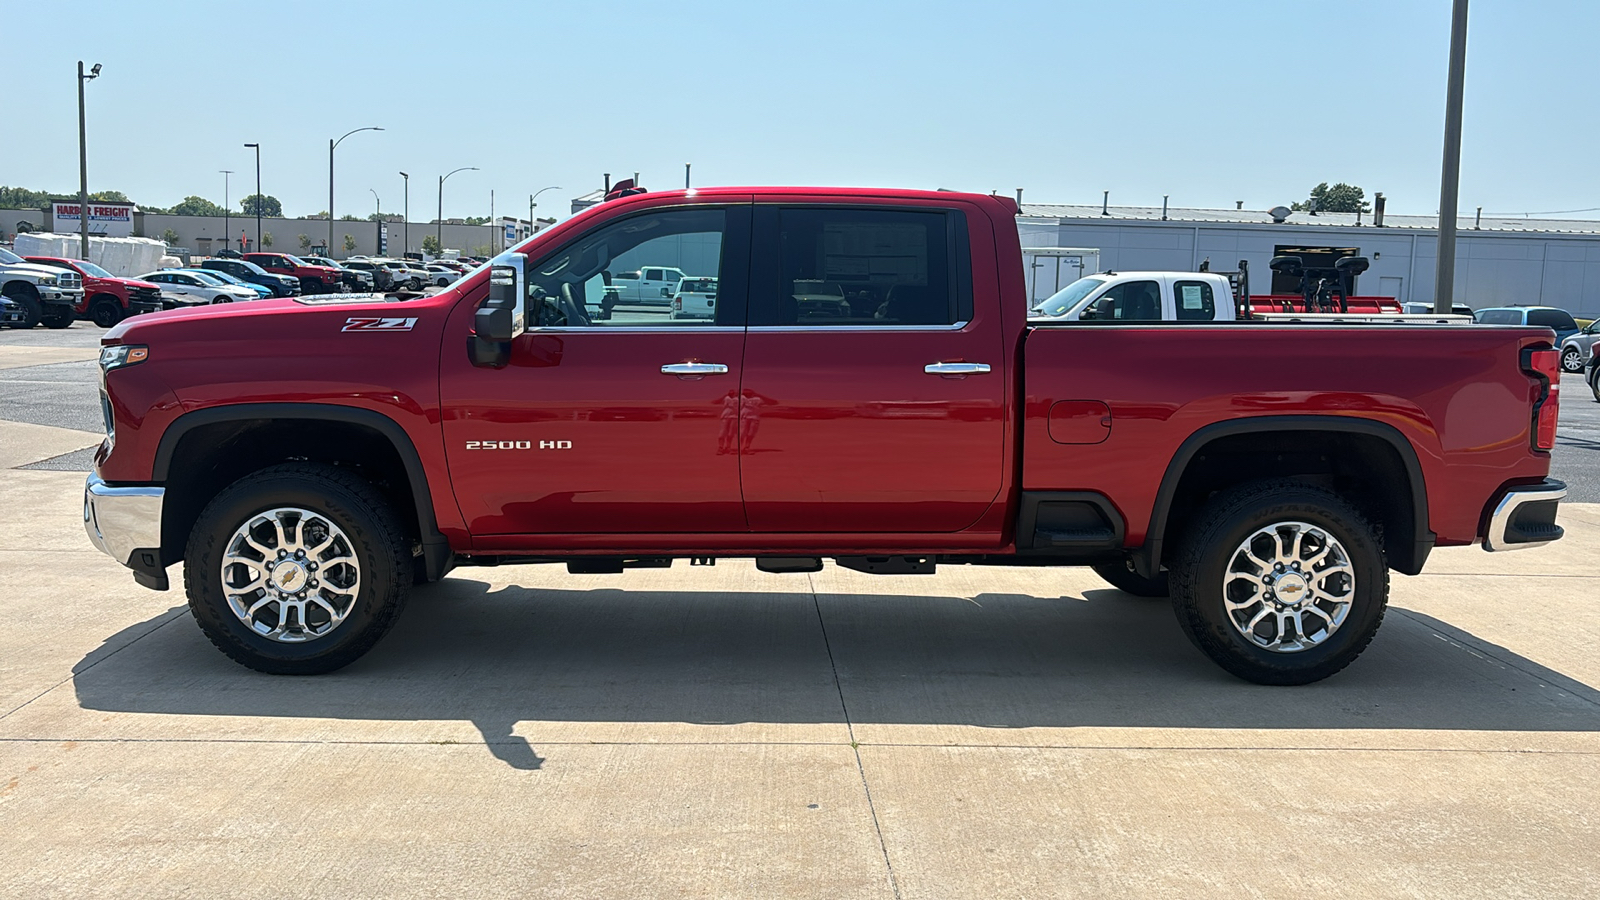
[(855, 746), (1574, 688), (171, 617)]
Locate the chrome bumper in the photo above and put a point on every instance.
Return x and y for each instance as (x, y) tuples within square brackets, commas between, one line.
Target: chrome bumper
[(1526, 517), (122, 520)]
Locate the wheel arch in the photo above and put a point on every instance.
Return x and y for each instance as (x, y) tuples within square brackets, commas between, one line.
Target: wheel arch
[(1266, 439), (210, 448)]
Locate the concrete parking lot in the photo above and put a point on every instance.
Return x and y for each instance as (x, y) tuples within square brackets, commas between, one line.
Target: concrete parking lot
[(721, 732)]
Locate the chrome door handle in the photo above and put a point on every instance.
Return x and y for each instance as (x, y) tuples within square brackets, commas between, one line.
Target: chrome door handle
[(694, 369), (956, 368)]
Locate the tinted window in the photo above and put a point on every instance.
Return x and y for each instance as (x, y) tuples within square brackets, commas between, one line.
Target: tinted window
[(1558, 319), (1130, 301), (1193, 300), (1500, 316), (653, 275), (573, 287), (853, 267)]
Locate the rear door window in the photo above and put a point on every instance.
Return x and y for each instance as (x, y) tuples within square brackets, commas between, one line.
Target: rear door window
[(852, 267), (1194, 301)]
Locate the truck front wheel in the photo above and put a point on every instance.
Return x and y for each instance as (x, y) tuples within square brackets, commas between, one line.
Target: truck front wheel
[(1280, 582), (25, 296), (105, 312), (298, 569)]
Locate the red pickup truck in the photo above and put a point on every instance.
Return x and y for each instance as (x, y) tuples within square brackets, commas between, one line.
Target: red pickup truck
[(107, 299), (313, 279), (869, 389)]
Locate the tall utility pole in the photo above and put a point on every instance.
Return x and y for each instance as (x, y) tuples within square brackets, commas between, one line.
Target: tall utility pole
[(332, 144), (259, 198), (686, 176), (225, 174), (1444, 279), (83, 158), (494, 241), (439, 234), (405, 224)]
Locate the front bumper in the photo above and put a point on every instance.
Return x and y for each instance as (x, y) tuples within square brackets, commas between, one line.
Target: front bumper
[(140, 307), (125, 524), (1525, 517)]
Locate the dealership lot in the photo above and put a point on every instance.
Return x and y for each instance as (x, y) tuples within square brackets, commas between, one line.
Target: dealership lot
[(724, 732)]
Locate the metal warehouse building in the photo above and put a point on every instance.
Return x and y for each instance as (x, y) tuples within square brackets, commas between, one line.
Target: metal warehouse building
[(1499, 261)]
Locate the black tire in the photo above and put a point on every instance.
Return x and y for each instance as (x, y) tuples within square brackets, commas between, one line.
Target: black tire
[(1594, 383), (1122, 577), (377, 541), (1207, 550), (414, 284), (59, 317), (25, 296), (1572, 360), (105, 312), (310, 286)]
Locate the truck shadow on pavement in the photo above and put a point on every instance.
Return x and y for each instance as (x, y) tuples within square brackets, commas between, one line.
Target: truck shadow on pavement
[(503, 657)]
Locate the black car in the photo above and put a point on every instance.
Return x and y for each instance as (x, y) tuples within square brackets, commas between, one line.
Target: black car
[(280, 285), (382, 279), (355, 280)]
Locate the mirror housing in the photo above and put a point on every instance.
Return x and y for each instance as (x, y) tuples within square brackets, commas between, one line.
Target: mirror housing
[(500, 319)]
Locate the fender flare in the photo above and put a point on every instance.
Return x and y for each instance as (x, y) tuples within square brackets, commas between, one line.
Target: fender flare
[(436, 548), (1147, 559)]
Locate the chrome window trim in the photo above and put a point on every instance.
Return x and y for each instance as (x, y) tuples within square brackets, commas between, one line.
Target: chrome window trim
[(853, 329), (723, 329)]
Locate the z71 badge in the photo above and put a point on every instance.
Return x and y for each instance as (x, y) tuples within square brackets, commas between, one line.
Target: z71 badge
[(378, 323)]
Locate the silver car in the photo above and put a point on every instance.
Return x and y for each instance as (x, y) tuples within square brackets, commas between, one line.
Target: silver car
[(1577, 349)]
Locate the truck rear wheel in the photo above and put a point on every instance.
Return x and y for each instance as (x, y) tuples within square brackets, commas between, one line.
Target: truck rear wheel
[(298, 569), (1125, 579), (26, 297), (1280, 582)]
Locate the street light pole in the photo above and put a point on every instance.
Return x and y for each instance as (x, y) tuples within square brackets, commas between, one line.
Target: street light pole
[(1450, 178), (259, 203), (332, 144), (439, 232), (225, 174), (531, 204), (83, 159), (406, 215)]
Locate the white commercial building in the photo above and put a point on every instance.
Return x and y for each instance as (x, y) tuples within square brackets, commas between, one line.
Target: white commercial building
[(1499, 261)]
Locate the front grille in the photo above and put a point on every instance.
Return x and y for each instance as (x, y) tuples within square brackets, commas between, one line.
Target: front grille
[(149, 294), (69, 280)]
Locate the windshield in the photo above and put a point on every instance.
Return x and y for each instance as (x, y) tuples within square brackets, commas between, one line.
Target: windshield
[(1061, 302), (295, 260), (210, 277), (93, 271), (1499, 316), (6, 256), (255, 269)]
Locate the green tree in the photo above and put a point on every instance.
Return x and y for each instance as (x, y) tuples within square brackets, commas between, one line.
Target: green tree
[(109, 197), (430, 245), (170, 236), (1341, 197), (23, 198), (477, 220), (349, 218), (483, 250), (349, 244), (305, 243), (266, 239), (268, 205), (196, 206)]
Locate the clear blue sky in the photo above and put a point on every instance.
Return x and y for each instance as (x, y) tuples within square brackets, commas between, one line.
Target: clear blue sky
[(1210, 102)]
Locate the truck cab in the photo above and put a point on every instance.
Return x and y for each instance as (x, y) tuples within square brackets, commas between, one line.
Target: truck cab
[(648, 285), (1142, 297)]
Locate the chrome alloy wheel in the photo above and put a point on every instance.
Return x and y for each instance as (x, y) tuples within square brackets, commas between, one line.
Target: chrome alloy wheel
[(1288, 587), (290, 575)]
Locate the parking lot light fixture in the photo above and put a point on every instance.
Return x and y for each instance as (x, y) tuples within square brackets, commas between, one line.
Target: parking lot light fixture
[(83, 158), (332, 144), (439, 233), (257, 148), (534, 196)]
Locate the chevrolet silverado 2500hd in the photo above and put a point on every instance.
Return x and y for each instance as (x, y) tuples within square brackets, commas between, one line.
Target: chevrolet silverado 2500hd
[(309, 459)]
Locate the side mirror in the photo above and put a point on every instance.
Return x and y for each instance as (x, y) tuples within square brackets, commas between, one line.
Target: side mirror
[(500, 320)]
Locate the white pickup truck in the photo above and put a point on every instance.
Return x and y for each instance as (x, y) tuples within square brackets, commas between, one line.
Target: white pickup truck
[(651, 284), (42, 293), (1142, 297)]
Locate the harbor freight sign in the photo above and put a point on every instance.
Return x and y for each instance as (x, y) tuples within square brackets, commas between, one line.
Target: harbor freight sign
[(107, 219)]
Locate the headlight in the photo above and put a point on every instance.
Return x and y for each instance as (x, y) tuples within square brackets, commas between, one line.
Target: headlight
[(122, 355), (47, 279)]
